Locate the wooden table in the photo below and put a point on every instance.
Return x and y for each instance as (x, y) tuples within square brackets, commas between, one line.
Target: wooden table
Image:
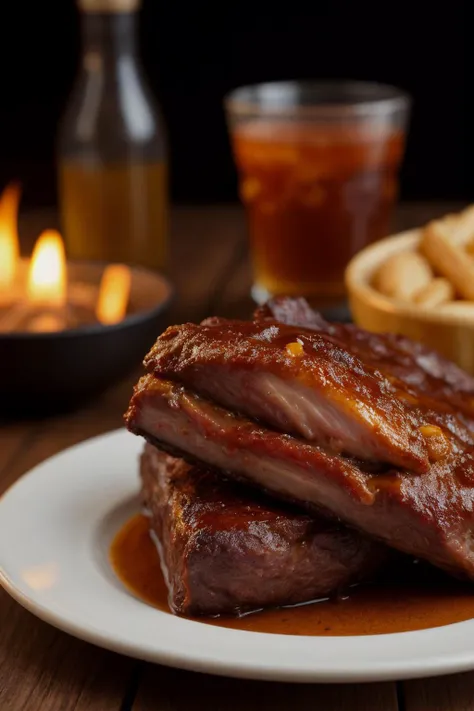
[(42, 669)]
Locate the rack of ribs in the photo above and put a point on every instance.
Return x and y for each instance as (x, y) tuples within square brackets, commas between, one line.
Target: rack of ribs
[(372, 430)]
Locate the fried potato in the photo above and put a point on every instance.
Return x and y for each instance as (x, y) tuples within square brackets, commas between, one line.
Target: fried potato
[(447, 258), (438, 291), (460, 226), (403, 275)]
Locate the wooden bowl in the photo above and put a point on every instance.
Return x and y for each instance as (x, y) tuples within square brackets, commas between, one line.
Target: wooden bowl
[(46, 373), (452, 336)]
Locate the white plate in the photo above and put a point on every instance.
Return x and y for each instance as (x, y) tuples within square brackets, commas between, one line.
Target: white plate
[(56, 526)]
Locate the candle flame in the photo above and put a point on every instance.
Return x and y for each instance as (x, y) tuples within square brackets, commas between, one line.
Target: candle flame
[(9, 242), (47, 273), (113, 294)]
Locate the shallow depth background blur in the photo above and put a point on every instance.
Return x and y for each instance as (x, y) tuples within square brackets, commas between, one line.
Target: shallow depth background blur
[(193, 54)]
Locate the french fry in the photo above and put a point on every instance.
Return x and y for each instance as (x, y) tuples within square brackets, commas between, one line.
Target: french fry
[(462, 229), (437, 292), (447, 258), (403, 275), (461, 226)]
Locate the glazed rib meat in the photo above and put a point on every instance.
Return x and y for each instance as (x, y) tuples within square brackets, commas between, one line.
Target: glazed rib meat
[(226, 548), (385, 456), (423, 372), (296, 381), (330, 383), (429, 516)]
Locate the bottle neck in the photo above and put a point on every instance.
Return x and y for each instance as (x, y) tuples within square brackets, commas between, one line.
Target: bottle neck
[(109, 35)]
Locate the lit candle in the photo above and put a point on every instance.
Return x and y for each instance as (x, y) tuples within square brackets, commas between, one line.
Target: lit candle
[(9, 243), (46, 285), (45, 302)]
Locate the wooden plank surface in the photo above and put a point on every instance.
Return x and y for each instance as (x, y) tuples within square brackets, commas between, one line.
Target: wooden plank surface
[(173, 690), (448, 693), (12, 438), (41, 668)]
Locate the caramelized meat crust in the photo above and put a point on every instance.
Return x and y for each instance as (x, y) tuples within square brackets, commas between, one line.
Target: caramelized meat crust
[(372, 429), (297, 381), (227, 549), (425, 374)]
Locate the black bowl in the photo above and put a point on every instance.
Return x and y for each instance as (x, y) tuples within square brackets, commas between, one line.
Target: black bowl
[(46, 373)]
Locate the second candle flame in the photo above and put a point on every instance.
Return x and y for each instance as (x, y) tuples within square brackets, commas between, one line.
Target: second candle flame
[(114, 294)]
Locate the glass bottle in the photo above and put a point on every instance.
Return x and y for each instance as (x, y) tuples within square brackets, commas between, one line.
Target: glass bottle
[(112, 149)]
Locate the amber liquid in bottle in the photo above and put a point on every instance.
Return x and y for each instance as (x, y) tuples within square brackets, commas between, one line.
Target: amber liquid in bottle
[(112, 168), (116, 212)]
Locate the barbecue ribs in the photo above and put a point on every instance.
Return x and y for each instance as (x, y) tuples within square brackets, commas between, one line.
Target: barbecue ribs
[(371, 429)]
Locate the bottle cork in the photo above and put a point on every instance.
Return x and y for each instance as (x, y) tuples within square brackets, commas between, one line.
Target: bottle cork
[(109, 6)]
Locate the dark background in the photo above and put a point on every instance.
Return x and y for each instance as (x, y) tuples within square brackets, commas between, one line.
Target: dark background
[(194, 53)]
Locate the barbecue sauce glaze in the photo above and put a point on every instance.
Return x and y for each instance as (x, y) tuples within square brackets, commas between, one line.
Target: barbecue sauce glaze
[(414, 598)]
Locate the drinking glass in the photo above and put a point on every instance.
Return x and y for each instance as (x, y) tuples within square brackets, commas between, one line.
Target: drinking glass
[(318, 168)]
